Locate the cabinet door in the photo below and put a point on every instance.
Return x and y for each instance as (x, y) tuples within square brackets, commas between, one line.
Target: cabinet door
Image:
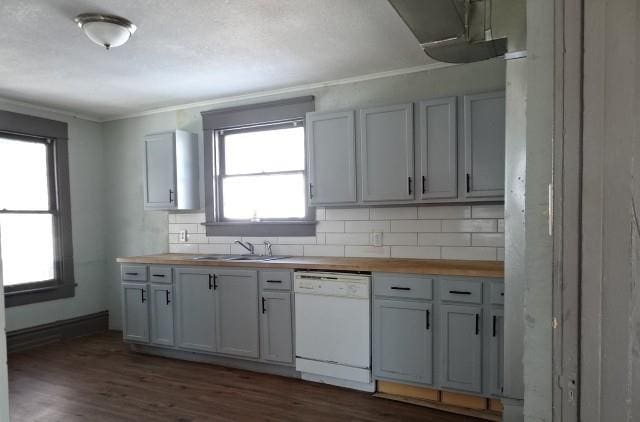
[(403, 339), (496, 352), (461, 347), (195, 319), (162, 314), (236, 294), (135, 308), (437, 142), (331, 146), (276, 327), (387, 153), (484, 143), (160, 171)]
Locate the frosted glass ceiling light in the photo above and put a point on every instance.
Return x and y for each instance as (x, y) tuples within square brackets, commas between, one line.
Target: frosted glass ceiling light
[(106, 30)]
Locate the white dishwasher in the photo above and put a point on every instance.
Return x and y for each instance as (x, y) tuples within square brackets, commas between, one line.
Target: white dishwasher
[(333, 328)]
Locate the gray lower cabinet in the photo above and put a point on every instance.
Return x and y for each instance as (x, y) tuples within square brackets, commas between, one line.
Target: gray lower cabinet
[(236, 312), (276, 327), (496, 352), (161, 296), (461, 347), (386, 153), (331, 149), (437, 145), (484, 145), (195, 309), (135, 308), (403, 340)]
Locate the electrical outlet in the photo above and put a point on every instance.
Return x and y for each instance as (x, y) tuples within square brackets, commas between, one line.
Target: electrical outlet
[(183, 236), (376, 238)]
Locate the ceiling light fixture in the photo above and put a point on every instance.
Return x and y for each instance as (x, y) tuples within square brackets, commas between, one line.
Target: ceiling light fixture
[(105, 30)]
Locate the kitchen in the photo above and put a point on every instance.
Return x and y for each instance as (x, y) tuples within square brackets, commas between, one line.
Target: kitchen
[(345, 210)]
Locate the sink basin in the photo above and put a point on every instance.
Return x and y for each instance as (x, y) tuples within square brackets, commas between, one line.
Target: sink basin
[(238, 257), (211, 257)]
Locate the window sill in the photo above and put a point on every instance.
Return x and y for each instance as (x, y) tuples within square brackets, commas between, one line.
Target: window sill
[(260, 229), (38, 294)]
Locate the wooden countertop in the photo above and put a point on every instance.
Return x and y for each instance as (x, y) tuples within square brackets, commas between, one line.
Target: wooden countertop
[(389, 265)]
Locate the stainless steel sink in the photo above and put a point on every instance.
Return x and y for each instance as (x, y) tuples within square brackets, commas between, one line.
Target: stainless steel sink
[(211, 257), (255, 258)]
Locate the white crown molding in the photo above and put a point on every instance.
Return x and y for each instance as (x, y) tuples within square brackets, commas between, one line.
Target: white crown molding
[(288, 90), (47, 109)]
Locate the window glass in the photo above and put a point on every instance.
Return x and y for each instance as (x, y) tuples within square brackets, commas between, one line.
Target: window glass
[(24, 180), (264, 151)]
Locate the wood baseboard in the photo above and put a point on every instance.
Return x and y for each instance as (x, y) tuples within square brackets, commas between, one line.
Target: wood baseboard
[(53, 332)]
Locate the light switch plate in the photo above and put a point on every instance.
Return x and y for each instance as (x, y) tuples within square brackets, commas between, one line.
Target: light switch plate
[(376, 238), (183, 236)]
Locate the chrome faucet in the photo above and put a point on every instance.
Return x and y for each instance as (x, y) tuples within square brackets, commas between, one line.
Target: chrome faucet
[(267, 248), (247, 245)]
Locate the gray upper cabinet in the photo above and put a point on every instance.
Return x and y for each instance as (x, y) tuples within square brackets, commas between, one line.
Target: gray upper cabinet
[(496, 352), (135, 308), (236, 293), (331, 157), (461, 347), (171, 176), (403, 340), (161, 296), (276, 327), (437, 145), (386, 153), (484, 145), (195, 309)]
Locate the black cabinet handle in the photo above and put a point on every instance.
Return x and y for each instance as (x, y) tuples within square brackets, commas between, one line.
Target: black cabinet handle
[(477, 324), (400, 288), (502, 294), (158, 275), (274, 281), (131, 274), (210, 281), (468, 183), (494, 326), (142, 296), (310, 190), (409, 185), (215, 282), (263, 308), (424, 184), (459, 292), (428, 320), (170, 196), (168, 301)]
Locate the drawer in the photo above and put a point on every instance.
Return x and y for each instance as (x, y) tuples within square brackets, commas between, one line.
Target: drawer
[(496, 293), (275, 280), (134, 272), (467, 291), (160, 274), (407, 286)]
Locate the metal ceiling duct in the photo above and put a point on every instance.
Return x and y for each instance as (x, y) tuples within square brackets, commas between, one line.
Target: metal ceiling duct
[(453, 31)]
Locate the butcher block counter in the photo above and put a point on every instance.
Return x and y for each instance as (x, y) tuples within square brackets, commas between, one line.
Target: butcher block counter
[(388, 265)]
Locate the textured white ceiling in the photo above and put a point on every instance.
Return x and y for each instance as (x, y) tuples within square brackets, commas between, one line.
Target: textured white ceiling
[(193, 50)]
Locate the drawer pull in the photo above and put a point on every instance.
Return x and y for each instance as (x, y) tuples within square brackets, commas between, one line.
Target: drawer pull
[(459, 292), (400, 288), (158, 275), (274, 281), (131, 274)]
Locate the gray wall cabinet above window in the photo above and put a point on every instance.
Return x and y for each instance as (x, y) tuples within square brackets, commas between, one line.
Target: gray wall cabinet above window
[(331, 146), (171, 178)]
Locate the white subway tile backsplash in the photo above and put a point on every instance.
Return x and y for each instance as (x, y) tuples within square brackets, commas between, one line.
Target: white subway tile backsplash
[(415, 226), (396, 213), (487, 211), (444, 212), (416, 252), (487, 239), (471, 253), (469, 226), (423, 232), (444, 239), (347, 213), (366, 226), (348, 239), (367, 251), (393, 239)]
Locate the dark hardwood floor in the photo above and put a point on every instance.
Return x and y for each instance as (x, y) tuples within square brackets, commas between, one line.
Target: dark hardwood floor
[(97, 379)]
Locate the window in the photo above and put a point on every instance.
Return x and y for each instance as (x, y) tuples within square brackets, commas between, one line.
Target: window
[(255, 179), (261, 173), (35, 242)]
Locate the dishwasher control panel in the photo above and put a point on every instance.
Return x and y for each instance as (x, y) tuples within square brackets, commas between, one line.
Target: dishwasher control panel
[(332, 284)]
